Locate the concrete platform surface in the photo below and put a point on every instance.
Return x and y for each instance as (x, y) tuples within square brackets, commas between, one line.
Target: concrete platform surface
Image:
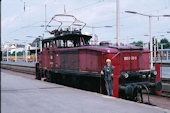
[(25, 95), (20, 63)]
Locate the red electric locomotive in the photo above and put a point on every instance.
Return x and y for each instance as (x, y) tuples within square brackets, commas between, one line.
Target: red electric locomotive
[(69, 59)]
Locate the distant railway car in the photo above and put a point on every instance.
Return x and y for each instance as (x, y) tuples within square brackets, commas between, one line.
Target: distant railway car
[(67, 58), (30, 58), (4, 58), (13, 59)]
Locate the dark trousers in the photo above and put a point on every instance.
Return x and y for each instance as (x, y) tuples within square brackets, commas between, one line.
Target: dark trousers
[(108, 87)]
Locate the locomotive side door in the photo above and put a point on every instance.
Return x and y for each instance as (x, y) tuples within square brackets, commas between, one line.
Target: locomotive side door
[(125, 61), (129, 61)]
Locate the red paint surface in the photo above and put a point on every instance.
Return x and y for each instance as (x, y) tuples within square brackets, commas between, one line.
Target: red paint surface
[(144, 61), (158, 77), (93, 59), (116, 81)]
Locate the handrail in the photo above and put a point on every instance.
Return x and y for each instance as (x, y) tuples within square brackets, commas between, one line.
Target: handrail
[(115, 55)]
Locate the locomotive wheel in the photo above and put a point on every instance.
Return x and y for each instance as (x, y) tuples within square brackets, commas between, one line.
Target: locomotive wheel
[(38, 77), (139, 98), (47, 77), (138, 94), (51, 77)]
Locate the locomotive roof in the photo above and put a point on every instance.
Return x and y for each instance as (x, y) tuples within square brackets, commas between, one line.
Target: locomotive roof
[(103, 49), (94, 48), (127, 47), (68, 37)]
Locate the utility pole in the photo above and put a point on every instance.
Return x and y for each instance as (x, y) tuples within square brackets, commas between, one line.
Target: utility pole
[(23, 54), (0, 36), (154, 49), (117, 23), (7, 53), (41, 43), (151, 41), (16, 49), (45, 15), (7, 50), (162, 47), (15, 52), (93, 35), (36, 53), (26, 52), (24, 6), (157, 46), (41, 46)]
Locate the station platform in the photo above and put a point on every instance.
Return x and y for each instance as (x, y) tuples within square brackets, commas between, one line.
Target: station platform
[(165, 63), (27, 95), (20, 63)]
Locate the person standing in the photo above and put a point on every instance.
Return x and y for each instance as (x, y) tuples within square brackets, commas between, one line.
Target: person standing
[(108, 75)]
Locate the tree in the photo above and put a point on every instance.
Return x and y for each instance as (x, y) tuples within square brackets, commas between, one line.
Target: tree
[(4, 53), (165, 42), (13, 53), (138, 43), (19, 53)]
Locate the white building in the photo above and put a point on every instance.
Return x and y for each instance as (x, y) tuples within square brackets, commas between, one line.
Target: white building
[(94, 40)]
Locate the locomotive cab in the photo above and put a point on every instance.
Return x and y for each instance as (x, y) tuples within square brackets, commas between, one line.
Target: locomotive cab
[(67, 41)]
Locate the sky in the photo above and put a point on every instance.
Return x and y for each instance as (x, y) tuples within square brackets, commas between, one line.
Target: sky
[(19, 21)]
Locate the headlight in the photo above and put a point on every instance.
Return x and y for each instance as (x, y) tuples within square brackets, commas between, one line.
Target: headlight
[(155, 72), (143, 76), (126, 75), (149, 76)]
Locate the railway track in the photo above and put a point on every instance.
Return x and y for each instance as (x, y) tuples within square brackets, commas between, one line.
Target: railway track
[(19, 68), (166, 80), (31, 70), (165, 93)]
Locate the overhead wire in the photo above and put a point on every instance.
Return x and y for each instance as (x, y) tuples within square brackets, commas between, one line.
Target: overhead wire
[(31, 25), (91, 4), (79, 8)]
